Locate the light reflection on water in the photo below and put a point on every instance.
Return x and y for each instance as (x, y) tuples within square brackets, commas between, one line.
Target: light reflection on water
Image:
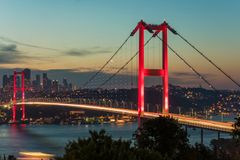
[(53, 138)]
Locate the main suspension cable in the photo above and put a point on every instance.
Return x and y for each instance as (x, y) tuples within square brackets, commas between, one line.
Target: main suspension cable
[(192, 68), (100, 70), (209, 60), (121, 68)]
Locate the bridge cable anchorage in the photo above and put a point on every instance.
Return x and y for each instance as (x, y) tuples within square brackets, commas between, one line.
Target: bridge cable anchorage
[(121, 68), (191, 67), (204, 56), (115, 53)]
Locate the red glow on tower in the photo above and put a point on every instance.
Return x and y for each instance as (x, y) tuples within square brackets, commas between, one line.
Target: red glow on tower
[(15, 90), (142, 72), (165, 103), (14, 97), (23, 97)]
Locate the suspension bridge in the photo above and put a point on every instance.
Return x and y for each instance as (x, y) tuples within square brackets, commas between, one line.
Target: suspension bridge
[(137, 57)]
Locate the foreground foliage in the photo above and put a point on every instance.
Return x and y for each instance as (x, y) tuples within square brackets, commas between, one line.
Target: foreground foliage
[(163, 135), (101, 146), (158, 139)]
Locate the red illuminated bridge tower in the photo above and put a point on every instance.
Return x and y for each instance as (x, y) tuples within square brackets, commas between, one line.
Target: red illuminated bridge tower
[(15, 90), (142, 71)]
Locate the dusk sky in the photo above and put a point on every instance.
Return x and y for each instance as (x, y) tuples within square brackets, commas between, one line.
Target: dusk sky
[(78, 36)]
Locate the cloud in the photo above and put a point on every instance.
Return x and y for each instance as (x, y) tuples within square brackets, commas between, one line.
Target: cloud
[(5, 39), (86, 52), (72, 52), (8, 48), (9, 54), (183, 74), (78, 52)]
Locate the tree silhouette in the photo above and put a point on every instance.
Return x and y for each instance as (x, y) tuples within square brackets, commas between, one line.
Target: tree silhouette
[(162, 134), (161, 138), (100, 146)]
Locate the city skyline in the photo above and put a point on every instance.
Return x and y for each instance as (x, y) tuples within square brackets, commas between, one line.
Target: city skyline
[(36, 83), (68, 38)]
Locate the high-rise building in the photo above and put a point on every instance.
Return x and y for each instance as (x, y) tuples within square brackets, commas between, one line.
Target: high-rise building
[(44, 75), (44, 81), (47, 83), (27, 74), (65, 84), (5, 81), (70, 87), (37, 83), (55, 86), (38, 79), (11, 81), (27, 78)]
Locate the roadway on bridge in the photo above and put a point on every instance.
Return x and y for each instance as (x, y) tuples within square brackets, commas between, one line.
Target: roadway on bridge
[(184, 120)]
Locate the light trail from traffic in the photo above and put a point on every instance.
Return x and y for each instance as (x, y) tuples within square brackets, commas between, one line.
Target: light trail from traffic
[(184, 120)]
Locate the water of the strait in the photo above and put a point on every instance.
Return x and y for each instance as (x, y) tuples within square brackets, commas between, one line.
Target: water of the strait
[(53, 138)]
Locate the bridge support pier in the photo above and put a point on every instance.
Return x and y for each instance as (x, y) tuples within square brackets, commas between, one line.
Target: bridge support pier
[(141, 120), (219, 135), (201, 135), (186, 129)]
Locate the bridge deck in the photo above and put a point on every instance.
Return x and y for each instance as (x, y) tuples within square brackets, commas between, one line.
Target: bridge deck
[(184, 120)]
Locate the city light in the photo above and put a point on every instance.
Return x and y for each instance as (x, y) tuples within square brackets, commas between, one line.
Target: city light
[(185, 120)]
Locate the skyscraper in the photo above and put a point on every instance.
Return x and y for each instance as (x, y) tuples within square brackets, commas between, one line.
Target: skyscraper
[(44, 75), (37, 83), (27, 74), (55, 86), (47, 83), (44, 81), (27, 77), (38, 80), (5, 81), (65, 84)]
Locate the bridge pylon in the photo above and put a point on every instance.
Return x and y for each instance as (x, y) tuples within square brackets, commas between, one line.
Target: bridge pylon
[(16, 88), (142, 71)]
